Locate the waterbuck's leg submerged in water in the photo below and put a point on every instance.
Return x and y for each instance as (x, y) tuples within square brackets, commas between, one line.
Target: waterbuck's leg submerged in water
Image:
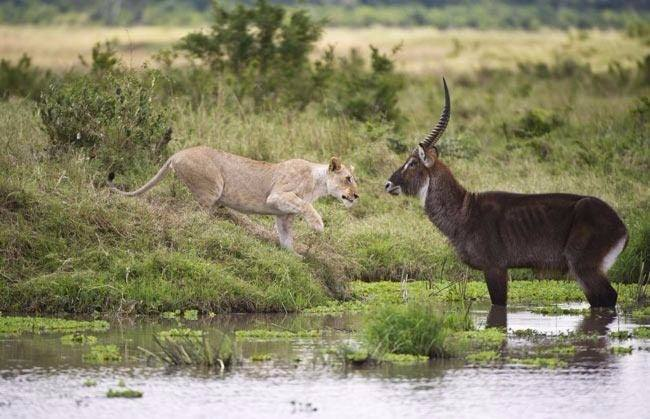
[(495, 231)]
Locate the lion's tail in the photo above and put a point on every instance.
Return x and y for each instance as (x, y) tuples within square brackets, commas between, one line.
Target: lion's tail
[(153, 182)]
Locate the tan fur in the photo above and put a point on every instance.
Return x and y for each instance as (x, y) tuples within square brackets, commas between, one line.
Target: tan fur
[(283, 189)]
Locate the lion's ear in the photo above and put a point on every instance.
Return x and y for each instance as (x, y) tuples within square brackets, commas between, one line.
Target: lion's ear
[(335, 164)]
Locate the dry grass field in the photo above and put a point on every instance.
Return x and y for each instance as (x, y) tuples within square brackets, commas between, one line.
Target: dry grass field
[(423, 50)]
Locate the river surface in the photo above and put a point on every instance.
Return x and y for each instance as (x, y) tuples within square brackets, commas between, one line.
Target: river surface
[(42, 378)]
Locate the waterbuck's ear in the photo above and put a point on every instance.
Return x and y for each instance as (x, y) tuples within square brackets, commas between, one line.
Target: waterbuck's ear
[(335, 164), (425, 157)]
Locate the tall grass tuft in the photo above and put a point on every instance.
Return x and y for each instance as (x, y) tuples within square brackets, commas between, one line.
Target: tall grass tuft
[(417, 328), (183, 347)]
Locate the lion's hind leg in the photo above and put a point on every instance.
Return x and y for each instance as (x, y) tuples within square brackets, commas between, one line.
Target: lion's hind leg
[(202, 178)]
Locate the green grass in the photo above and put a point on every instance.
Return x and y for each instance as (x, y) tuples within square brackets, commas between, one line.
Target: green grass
[(417, 328)]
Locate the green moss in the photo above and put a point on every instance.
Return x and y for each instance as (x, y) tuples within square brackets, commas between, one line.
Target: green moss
[(78, 339), (124, 393), (642, 332), (621, 350), (261, 357), (264, 334), (18, 325), (100, 354)]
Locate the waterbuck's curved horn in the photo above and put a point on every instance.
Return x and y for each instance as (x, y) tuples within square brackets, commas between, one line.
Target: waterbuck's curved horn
[(437, 131)]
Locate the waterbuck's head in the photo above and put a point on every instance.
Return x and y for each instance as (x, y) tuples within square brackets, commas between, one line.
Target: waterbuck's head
[(412, 178), (341, 183)]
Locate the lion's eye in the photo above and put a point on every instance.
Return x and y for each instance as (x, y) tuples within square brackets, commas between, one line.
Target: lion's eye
[(348, 179)]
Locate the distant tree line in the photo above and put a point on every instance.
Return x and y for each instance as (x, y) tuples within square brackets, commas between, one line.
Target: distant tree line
[(526, 14)]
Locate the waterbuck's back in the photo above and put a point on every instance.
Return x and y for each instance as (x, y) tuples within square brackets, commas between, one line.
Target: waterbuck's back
[(532, 230)]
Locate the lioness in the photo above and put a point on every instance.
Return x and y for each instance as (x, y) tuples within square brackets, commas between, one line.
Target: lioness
[(249, 186)]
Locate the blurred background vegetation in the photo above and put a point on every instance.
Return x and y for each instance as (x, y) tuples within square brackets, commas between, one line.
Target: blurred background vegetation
[(560, 109), (483, 14)]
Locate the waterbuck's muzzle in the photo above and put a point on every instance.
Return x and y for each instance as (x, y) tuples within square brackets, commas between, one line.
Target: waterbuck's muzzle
[(393, 189)]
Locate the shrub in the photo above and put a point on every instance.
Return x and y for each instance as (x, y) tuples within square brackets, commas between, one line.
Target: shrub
[(536, 122), (416, 328), (364, 95), (114, 119), (265, 55), (21, 79)]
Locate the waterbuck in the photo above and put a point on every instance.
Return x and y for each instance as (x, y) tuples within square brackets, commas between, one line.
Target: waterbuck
[(495, 231)]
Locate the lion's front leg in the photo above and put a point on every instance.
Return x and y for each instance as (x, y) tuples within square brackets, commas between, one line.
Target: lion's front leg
[(291, 203)]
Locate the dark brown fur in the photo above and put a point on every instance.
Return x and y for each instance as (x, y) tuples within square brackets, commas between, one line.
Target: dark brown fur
[(495, 231)]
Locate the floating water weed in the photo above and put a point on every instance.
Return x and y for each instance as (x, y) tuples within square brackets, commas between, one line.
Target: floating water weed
[(559, 311), (78, 339), (642, 332), (18, 325), (261, 357), (100, 354), (482, 357), (265, 334), (540, 362), (191, 314), (125, 393), (621, 350), (620, 334)]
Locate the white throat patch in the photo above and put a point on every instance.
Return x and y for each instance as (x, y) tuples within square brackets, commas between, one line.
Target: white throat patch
[(423, 192)]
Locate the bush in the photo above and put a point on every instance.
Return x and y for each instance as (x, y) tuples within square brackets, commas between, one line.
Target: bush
[(363, 94), (114, 119), (263, 56), (536, 122), (21, 79), (416, 328)]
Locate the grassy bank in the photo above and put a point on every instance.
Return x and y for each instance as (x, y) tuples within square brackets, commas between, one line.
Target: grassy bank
[(67, 245)]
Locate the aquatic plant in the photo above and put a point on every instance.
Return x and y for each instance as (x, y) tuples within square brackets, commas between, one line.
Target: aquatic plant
[(100, 354), (17, 325), (540, 362), (620, 334), (621, 350), (642, 332), (170, 314), (482, 357), (184, 347), (403, 358), (265, 334), (89, 383), (261, 357), (125, 393), (78, 339), (191, 314), (557, 311), (528, 333), (416, 328), (468, 341)]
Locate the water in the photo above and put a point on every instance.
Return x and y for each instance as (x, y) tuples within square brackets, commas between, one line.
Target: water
[(40, 377)]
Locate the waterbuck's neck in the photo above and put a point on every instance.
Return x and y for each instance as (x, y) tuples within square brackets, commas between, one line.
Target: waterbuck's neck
[(446, 201)]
